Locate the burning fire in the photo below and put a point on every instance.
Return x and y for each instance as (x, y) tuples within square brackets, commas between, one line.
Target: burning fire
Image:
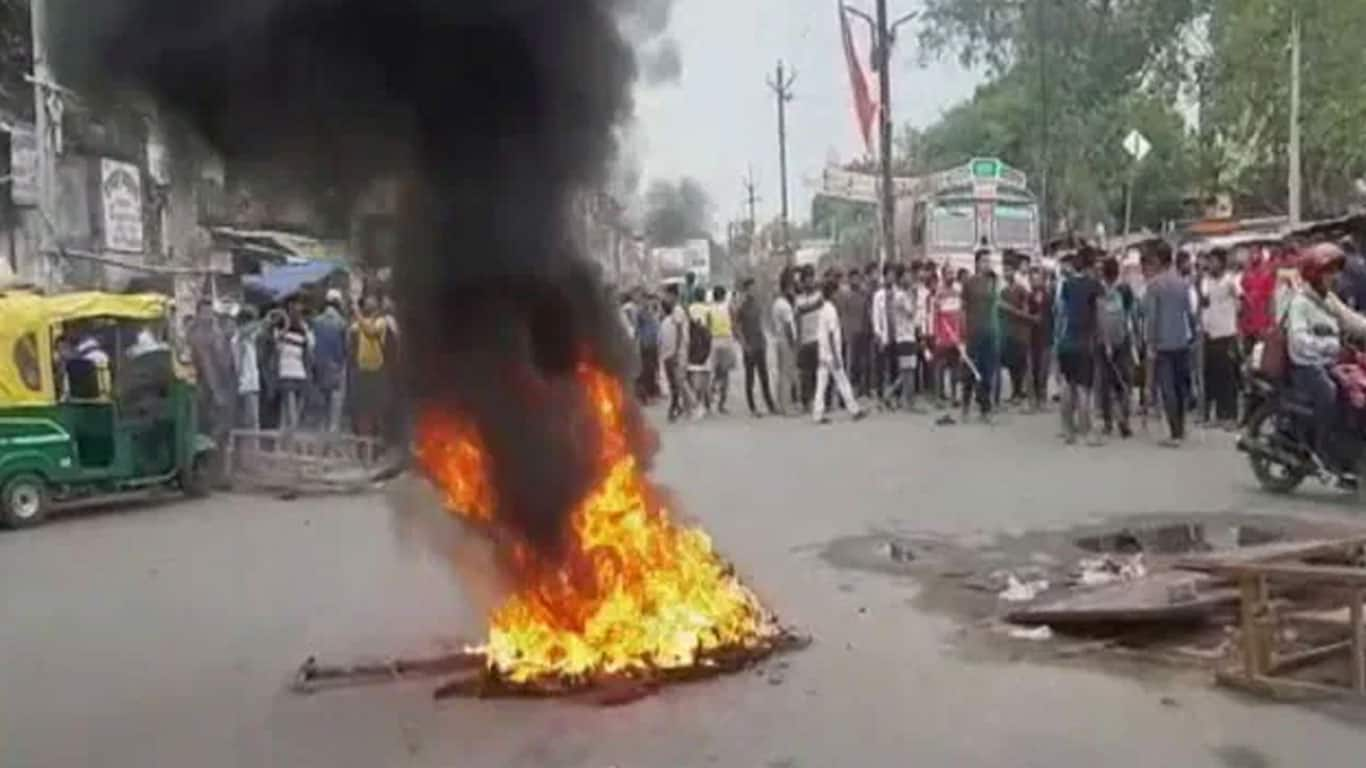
[(634, 592)]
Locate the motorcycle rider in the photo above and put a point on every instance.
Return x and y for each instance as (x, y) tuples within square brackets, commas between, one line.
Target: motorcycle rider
[(1314, 340)]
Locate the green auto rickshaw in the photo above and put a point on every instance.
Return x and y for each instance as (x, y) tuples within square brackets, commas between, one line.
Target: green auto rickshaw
[(94, 403)]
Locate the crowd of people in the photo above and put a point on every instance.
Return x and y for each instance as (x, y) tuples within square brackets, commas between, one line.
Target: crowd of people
[(325, 366), (1103, 336)]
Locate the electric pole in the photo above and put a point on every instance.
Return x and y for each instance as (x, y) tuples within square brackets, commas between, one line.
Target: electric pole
[(884, 39), (888, 197), (751, 198), (1294, 180), (1043, 126), (782, 90), (45, 130)]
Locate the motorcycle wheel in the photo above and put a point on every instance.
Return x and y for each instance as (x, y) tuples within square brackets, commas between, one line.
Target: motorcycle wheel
[(1273, 476)]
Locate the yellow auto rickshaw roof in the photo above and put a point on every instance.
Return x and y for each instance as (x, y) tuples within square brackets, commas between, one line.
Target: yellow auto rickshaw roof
[(32, 309), (25, 347)]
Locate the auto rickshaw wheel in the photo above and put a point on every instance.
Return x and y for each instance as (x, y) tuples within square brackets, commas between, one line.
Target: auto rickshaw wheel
[(196, 480), (23, 502)]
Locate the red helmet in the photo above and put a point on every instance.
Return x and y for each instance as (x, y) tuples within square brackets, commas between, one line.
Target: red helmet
[(1319, 261)]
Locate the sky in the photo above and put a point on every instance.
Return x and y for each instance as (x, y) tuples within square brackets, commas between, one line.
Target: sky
[(720, 117)]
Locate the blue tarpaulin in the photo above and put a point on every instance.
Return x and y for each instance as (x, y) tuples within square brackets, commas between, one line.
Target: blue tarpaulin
[(277, 283)]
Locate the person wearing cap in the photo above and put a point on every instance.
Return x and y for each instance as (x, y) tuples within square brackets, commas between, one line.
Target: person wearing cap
[(329, 359), (1314, 339)]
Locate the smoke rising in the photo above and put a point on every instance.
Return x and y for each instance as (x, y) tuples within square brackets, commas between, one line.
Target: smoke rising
[(495, 114)]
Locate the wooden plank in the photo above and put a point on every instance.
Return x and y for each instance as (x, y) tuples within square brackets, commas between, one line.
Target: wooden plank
[(1282, 663), (1278, 688), (1215, 562), (1358, 643), (1248, 607), (1148, 599), (1338, 575)]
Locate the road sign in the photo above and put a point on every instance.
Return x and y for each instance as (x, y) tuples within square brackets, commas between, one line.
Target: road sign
[(1136, 144)]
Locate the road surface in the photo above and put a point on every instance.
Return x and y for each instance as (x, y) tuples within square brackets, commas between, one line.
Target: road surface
[(163, 636)]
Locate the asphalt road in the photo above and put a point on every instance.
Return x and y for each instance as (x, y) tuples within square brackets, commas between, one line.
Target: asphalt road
[(163, 636)]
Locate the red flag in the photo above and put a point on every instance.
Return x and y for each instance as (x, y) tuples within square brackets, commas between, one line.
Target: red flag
[(860, 80)]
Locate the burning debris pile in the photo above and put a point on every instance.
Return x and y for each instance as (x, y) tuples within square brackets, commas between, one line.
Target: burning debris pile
[(491, 119), (634, 594)]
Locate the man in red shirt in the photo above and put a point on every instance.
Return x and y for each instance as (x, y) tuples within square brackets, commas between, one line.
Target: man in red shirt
[(1259, 292)]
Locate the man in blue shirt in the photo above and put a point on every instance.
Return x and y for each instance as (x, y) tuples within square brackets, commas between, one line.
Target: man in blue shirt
[(1170, 322), (329, 359), (1078, 302)]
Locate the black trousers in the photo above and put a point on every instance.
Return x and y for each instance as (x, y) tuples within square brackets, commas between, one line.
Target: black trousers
[(1221, 378), (647, 383), (1015, 359), (1174, 382), (808, 358), (756, 366), (860, 355), (1038, 372), (677, 400), (1116, 383)]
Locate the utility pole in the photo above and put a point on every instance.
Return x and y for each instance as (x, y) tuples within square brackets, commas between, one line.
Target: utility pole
[(884, 39), (45, 130), (888, 196), (1294, 180), (782, 90), (1043, 126), (751, 198)]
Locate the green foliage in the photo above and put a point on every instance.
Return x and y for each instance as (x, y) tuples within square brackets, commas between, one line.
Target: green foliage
[(1248, 80)]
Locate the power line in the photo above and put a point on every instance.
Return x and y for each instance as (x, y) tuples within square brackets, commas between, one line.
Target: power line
[(781, 85)]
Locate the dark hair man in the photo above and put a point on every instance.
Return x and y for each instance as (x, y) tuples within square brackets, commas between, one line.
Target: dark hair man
[(830, 356), (981, 312), (1079, 300), (1170, 327), (806, 307), (1115, 340), (749, 319)]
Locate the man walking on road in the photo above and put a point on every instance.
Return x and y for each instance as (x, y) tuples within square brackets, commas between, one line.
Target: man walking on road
[(673, 350), (1018, 324), (724, 355), (1079, 301), (1170, 329), (852, 304), (786, 339), (1116, 349), (1221, 296), (749, 317), (329, 360), (980, 308), (829, 352), (807, 308)]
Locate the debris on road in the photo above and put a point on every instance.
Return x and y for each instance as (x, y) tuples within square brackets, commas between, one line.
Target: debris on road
[(1018, 591), (1041, 632), (1169, 596), (1109, 569)]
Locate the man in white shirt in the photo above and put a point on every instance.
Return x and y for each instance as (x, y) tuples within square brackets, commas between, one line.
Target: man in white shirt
[(294, 348), (808, 303), (1222, 294), (786, 341), (829, 351)]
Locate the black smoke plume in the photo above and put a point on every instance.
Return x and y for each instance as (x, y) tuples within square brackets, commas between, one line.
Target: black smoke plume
[(495, 113)]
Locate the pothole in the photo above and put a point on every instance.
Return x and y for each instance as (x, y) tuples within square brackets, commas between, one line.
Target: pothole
[(1177, 539)]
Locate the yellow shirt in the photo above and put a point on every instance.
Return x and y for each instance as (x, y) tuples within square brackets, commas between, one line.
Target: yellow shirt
[(718, 321)]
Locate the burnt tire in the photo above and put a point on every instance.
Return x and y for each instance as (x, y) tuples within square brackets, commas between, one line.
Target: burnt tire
[(23, 502), (1273, 476), (196, 480)]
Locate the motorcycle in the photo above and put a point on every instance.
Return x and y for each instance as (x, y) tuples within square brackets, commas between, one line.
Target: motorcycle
[(1279, 439)]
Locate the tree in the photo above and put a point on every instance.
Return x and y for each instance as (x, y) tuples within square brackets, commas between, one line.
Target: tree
[(676, 212), (1069, 79), (1248, 78), (16, 58)]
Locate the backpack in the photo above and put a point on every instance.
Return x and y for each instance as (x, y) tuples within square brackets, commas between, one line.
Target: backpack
[(1114, 317), (370, 346), (699, 342)]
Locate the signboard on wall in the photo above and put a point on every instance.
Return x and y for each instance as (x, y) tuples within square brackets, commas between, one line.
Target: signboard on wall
[(23, 163), (121, 195)]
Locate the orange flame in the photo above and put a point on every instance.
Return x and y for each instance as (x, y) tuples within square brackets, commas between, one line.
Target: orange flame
[(634, 592)]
